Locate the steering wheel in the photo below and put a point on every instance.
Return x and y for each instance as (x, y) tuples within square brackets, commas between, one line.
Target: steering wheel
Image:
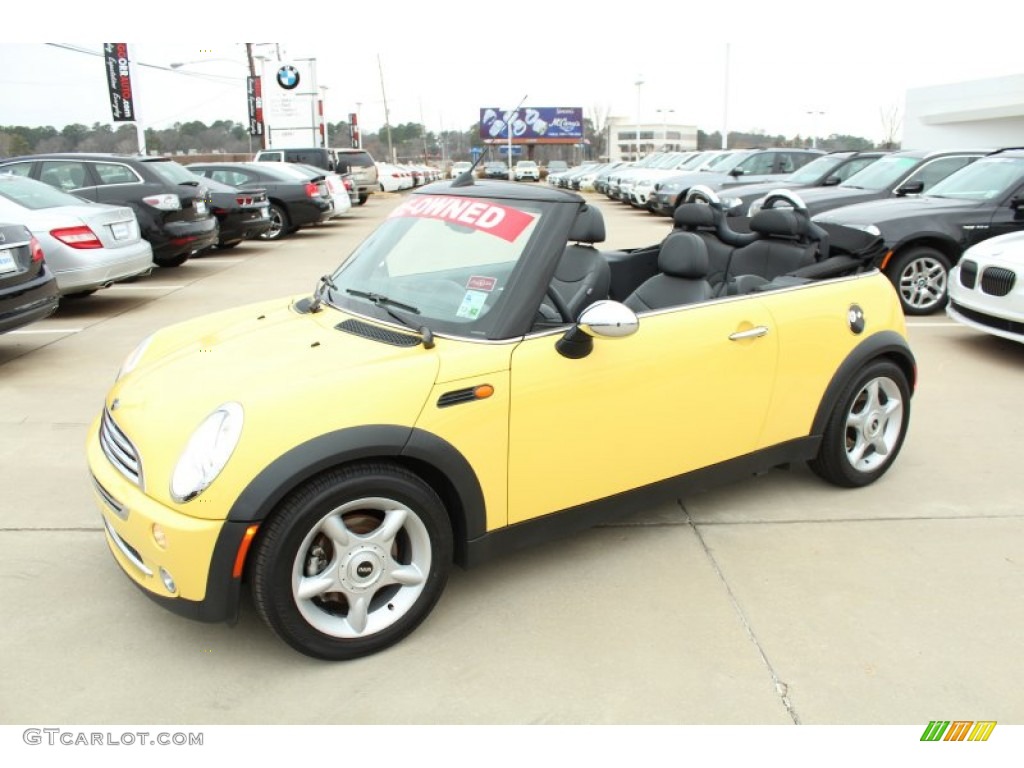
[(791, 200), (560, 305)]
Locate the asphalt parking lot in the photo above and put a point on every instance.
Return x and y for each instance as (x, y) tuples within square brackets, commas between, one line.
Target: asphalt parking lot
[(776, 601)]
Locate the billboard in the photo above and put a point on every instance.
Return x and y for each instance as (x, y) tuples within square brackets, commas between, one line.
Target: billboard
[(254, 94), (119, 81), (532, 125), (291, 104)]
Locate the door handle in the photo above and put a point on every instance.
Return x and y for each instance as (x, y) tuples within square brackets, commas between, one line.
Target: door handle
[(751, 333)]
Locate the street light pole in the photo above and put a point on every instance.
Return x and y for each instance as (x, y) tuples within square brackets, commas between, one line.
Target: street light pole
[(815, 113), (664, 126), (639, 82)]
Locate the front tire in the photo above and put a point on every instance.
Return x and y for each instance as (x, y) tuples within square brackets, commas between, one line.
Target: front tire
[(921, 277), (865, 432), (353, 561)]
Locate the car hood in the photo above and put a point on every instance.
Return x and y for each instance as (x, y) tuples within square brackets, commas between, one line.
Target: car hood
[(882, 212), (271, 358)]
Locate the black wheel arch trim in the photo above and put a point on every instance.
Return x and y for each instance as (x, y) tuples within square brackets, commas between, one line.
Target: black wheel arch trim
[(885, 344), (434, 459)]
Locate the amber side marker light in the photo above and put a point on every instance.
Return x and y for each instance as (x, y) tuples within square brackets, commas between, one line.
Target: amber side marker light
[(483, 391), (243, 550), (885, 261)]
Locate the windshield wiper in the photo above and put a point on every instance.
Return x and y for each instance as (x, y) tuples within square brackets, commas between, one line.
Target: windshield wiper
[(382, 301)]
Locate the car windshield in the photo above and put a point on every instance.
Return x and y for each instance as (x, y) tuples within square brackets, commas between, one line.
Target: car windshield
[(882, 173), (35, 195), (170, 171), (439, 261), (985, 179), (726, 162), (814, 170)]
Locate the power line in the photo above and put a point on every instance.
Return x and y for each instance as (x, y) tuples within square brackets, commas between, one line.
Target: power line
[(173, 70)]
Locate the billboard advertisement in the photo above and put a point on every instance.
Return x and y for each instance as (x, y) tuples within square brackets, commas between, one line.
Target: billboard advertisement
[(532, 125), (119, 81)]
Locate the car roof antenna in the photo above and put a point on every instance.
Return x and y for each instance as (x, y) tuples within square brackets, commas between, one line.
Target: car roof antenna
[(465, 178)]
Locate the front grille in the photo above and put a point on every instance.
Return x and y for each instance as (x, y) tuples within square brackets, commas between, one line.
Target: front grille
[(968, 274), (119, 449), (113, 504), (999, 323), (375, 332), (996, 281)]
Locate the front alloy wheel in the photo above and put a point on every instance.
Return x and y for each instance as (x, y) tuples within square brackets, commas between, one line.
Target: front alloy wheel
[(865, 432), (921, 276), (353, 561)]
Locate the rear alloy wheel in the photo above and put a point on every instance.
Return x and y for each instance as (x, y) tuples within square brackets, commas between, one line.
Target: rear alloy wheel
[(280, 225), (353, 561), (921, 276), (865, 432)]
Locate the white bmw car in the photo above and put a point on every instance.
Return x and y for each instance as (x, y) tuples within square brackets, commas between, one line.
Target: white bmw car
[(985, 291)]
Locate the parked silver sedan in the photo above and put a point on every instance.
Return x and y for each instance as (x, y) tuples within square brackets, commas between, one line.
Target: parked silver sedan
[(87, 245)]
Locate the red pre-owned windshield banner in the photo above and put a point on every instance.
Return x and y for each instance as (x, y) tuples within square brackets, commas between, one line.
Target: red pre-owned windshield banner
[(119, 82), (498, 220)]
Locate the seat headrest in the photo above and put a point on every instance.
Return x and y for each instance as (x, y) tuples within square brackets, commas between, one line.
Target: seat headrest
[(588, 226), (694, 215), (780, 222), (684, 254)]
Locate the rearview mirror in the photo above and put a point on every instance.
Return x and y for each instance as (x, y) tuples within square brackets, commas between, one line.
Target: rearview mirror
[(607, 319), (831, 181)]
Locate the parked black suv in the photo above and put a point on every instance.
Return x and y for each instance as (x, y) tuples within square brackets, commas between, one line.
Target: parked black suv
[(826, 171), (926, 235), (908, 172), (169, 201)]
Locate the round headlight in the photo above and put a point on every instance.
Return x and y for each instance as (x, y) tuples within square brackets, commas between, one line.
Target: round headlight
[(207, 452)]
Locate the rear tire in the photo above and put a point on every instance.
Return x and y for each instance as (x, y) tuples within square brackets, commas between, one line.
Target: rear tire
[(280, 224), (362, 199), (865, 431), (172, 261)]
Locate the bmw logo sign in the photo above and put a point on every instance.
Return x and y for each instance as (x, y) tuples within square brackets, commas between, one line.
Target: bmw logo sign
[(288, 77)]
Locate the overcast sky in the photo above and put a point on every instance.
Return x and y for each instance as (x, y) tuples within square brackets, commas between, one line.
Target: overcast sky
[(793, 67)]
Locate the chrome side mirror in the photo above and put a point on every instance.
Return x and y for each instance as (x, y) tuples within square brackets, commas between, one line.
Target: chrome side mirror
[(605, 319)]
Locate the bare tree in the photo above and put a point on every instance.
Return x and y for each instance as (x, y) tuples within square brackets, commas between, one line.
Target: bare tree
[(599, 120), (892, 121)]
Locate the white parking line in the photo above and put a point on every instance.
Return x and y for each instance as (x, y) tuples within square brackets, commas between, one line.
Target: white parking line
[(44, 330)]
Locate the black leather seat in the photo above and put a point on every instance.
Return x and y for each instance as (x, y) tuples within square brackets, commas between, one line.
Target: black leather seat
[(785, 244), (706, 222), (683, 261), (583, 274)]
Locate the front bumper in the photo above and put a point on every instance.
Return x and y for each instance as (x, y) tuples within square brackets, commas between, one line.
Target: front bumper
[(199, 555)]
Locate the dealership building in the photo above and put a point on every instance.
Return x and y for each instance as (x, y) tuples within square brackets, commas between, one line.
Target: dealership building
[(654, 137), (977, 113)]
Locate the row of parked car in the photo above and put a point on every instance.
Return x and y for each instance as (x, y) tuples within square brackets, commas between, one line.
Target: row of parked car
[(74, 223), (927, 206)]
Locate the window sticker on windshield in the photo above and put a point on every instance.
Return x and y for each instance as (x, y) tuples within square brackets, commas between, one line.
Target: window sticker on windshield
[(482, 283), (499, 220), (472, 305)]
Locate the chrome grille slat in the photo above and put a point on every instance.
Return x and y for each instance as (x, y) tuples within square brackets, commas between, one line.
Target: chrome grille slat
[(119, 449)]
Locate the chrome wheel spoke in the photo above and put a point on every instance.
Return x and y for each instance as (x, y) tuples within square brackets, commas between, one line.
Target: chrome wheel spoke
[(314, 586), (358, 613)]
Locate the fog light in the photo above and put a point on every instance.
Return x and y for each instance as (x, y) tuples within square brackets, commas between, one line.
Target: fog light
[(159, 536), (168, 581)]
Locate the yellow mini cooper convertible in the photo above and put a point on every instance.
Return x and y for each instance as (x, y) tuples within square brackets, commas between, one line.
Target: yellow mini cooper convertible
[(454, 389)]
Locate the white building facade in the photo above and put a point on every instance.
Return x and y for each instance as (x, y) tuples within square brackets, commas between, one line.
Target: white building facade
[(973, 114), (654, 137)]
